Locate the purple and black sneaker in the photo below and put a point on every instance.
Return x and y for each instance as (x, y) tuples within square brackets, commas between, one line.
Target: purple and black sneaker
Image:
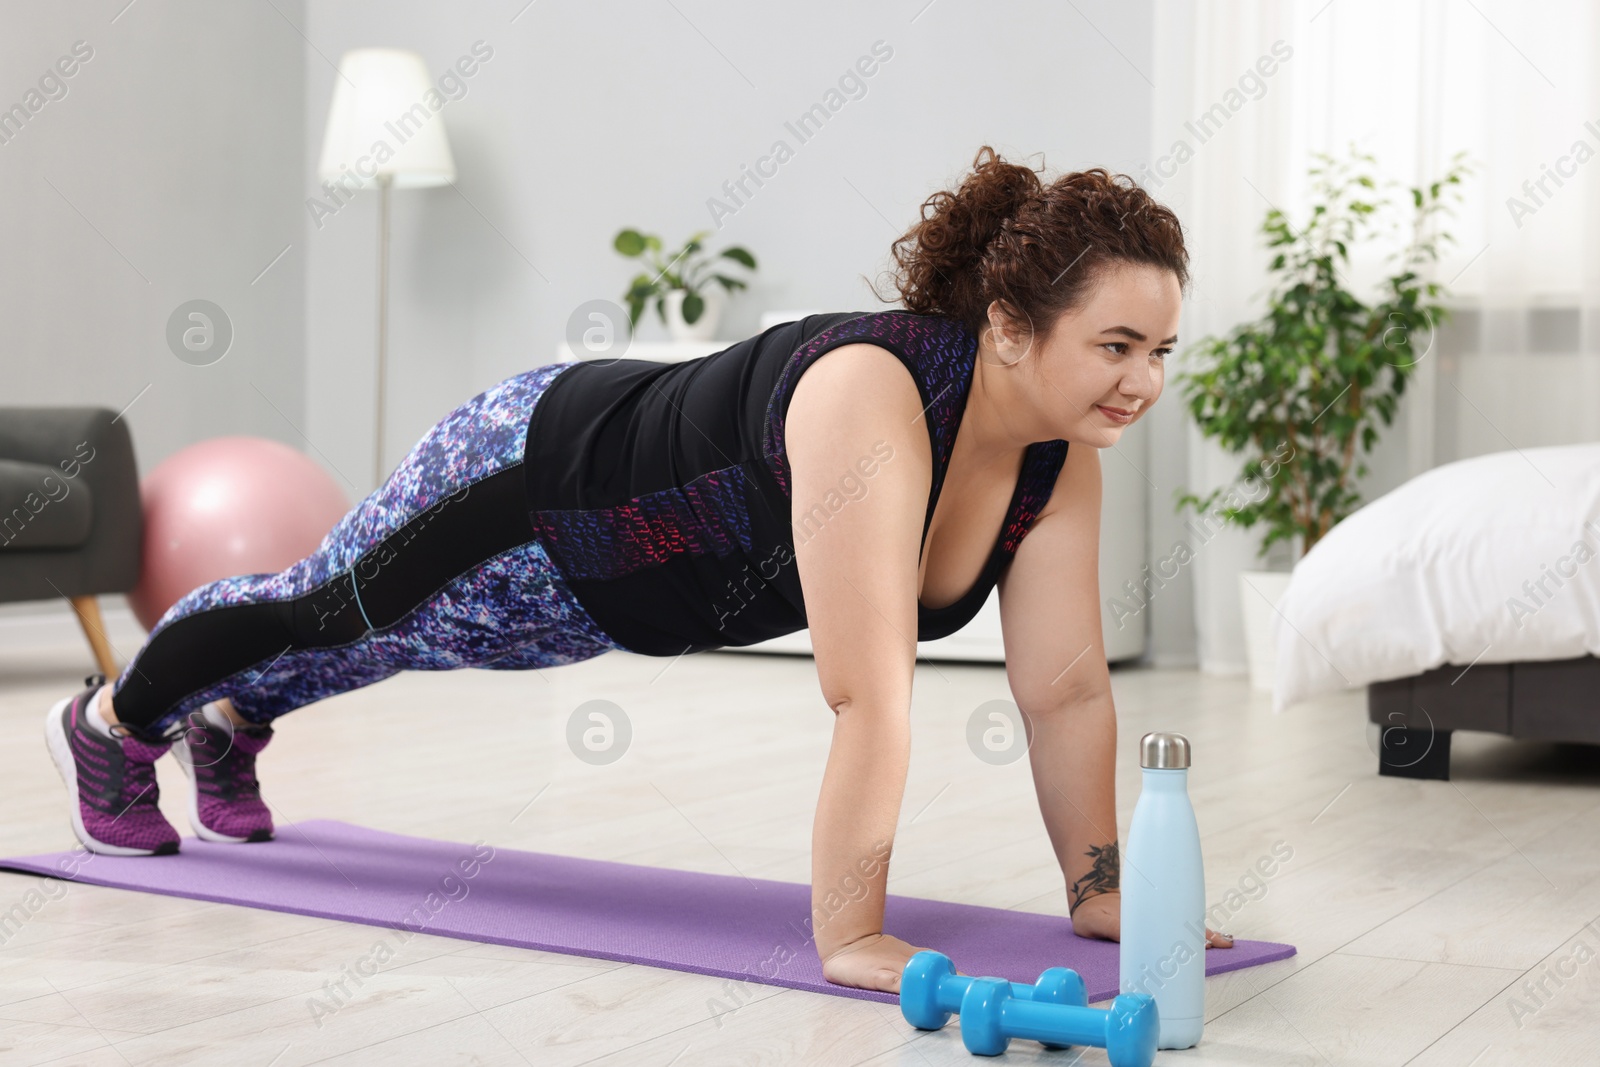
[(111, 781), (224, 796)]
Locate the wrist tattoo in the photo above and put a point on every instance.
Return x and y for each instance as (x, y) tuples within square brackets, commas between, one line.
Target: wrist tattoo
[(1103, 877)]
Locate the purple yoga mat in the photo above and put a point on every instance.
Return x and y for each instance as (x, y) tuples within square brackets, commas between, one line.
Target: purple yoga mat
[(747, 929)]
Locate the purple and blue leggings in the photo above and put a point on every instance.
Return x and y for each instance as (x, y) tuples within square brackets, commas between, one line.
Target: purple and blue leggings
[(437, 569)]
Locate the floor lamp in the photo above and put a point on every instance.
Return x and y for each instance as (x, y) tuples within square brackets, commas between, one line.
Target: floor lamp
[(385, 131)]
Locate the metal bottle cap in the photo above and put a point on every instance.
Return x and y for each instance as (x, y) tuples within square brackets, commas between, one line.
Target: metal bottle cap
[(1164, 751)]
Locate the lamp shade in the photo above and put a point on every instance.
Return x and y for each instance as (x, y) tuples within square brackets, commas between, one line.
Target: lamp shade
[(384, 120)]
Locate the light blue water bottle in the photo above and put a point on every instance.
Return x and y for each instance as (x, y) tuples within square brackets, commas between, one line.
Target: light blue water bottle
[(1164, 894)]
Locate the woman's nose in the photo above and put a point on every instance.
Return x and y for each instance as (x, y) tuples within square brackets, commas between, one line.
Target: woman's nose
[(1142, 383)]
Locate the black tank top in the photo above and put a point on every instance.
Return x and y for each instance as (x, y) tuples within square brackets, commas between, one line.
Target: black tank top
[(661, 490)]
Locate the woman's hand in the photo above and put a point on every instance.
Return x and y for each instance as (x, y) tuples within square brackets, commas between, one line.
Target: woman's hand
[(875, 961), (1101, 917)]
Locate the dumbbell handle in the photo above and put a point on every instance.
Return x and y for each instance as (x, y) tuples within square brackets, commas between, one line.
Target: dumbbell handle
[(954, 987), (1063, 1024)]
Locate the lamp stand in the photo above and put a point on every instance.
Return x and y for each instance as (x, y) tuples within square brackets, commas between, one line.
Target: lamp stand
[(385, 181)]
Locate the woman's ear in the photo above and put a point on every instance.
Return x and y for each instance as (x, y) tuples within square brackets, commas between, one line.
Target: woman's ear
[(1009, 334)]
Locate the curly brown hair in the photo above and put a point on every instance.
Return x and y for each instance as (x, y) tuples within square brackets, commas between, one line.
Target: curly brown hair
[(1039, 249)]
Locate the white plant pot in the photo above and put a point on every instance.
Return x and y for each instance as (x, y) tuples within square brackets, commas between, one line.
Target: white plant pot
[(703, 328), (1259, 593)]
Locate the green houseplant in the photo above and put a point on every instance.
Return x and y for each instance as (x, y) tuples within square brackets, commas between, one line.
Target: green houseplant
[(679, 285), (1300, 393), (1297, 391)]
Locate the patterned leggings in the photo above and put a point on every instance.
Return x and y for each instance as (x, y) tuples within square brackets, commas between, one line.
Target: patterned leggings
[(437, 569)]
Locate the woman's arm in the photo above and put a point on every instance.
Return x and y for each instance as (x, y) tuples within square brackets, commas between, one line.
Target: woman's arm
[(861, 468), (1056, 664)]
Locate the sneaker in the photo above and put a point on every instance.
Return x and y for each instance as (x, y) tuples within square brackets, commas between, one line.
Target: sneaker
[(111, 781), (224, 797)]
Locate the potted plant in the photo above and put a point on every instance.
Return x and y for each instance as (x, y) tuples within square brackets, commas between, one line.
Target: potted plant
[(1301, 392), (683, 294)]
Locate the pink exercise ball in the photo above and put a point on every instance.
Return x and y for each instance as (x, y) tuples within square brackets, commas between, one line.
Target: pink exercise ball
[(228, 506)]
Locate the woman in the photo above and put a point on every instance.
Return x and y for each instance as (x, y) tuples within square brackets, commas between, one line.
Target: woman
[(872, 476)]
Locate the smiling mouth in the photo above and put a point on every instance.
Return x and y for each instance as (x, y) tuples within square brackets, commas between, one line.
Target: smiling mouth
[(1117, 415)]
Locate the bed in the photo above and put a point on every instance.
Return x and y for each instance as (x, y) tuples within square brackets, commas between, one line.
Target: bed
[(1466, 599)]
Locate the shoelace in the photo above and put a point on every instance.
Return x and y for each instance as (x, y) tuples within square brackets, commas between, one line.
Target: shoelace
[(136, 784), (232, 775)]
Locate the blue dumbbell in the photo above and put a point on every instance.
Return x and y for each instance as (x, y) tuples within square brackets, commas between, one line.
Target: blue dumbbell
[(991, 1016), (931, 990)]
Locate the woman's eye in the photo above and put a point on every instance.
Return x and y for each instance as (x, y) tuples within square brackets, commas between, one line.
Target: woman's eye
[(1120, 348)]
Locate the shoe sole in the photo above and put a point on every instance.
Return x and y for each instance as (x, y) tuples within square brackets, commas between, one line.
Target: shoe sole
[(180, 749), (55, 737)]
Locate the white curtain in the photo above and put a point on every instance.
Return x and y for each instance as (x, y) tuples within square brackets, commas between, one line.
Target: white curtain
[(1412, 83)]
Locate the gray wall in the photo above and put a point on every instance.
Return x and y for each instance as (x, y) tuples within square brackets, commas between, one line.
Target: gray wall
[(592, 117), (169, 170)]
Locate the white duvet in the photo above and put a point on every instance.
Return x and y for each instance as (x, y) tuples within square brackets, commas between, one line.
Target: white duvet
[(1486, 560)]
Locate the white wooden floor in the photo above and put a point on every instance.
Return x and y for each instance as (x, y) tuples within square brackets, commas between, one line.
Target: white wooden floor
[(1423, 911)]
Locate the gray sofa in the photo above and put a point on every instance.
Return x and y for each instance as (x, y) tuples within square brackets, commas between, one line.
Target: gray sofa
[(70, 521)]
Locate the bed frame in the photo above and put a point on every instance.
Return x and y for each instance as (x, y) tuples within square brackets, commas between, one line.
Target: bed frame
[(1547, 700)]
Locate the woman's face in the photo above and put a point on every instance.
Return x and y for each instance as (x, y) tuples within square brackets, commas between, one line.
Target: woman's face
[(1101, 367)]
